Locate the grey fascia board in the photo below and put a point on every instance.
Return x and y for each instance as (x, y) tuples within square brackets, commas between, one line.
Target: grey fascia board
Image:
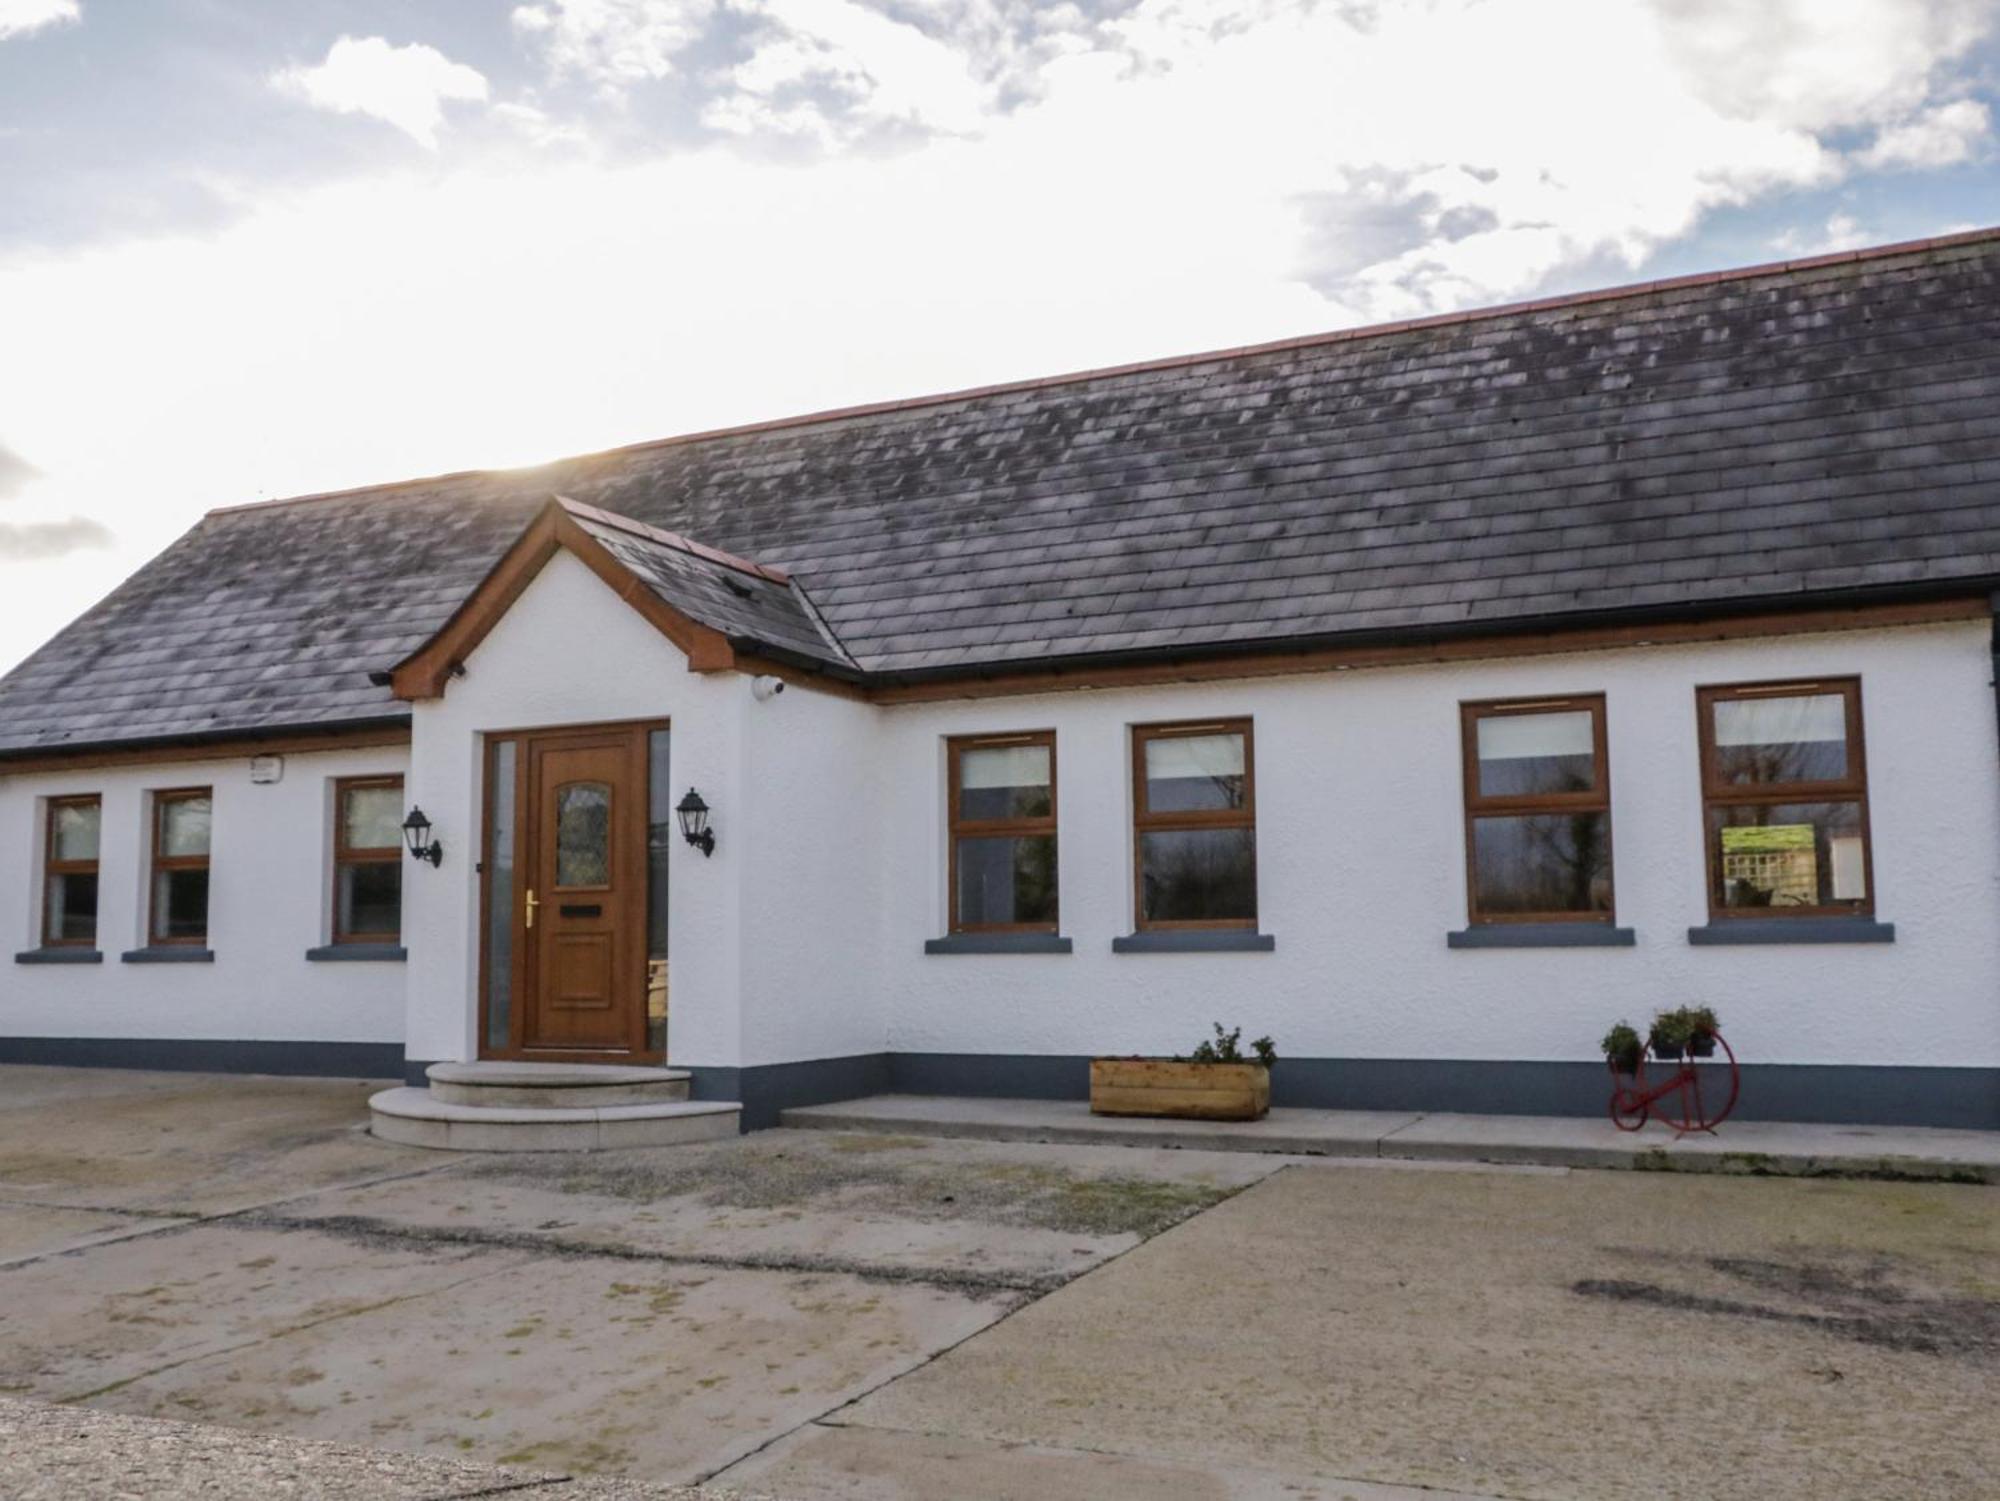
[(1793, 930), (998, 943), (1542, 935), (335, 953), (59, 956), (1195, 941), (168, 953)]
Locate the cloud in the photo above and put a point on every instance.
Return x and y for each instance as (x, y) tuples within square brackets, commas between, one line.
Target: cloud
[(16, 473), (615, 41), (19, 17), (406, 87), (1841, 232), (1940, 137), (34, 541)]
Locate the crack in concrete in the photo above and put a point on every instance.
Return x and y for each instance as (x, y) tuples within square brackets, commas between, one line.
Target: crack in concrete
[(366, 1229)]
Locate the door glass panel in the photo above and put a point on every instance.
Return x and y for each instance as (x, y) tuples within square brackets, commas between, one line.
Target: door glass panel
[(500, 897), (372, 818), (184, 826), (661, 828), (583, 834), (1528, 755), (76, 831)]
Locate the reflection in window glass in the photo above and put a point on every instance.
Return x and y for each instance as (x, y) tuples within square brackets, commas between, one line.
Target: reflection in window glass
[(500, 792), (1003, 781), (1198, 875), (74, 830), (72, 900), (1187, 773), (370, 898), (371, 817), (1007, 880), (1542, 863), (1531, 755), (184, 826), (583, 835), (1795, 738), (1783, 855), (180, 903)]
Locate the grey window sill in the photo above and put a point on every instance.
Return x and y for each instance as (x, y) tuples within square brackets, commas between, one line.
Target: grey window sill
[(1542, 935), (1794, 930), (998, 943), (59, 956), (356, 953), (168, 953), (1195, 941)]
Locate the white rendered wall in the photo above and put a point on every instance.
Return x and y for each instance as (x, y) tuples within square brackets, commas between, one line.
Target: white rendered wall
[(1361, 871), (270, 899), (779, 913)]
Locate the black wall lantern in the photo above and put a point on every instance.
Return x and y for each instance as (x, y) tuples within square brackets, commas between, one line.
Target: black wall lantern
[(417, 834), (694, 822)]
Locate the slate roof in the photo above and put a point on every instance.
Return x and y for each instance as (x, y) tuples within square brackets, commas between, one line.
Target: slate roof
[(1825, 429), (745, 601)]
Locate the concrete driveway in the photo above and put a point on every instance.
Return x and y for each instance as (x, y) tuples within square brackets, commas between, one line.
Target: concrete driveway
[(816, 1315)]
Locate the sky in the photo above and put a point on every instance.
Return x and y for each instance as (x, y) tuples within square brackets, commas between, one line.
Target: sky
[(270, 247)]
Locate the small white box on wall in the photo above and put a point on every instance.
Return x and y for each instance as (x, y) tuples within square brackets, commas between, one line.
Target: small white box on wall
[(267, 769)]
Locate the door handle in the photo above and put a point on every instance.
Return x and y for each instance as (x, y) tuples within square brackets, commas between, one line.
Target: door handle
[(532, 905)]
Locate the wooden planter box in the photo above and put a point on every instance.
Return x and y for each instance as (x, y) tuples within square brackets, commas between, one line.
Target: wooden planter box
[(1188, 1091)]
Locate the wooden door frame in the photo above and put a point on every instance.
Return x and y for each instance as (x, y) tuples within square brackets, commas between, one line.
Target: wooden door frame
[(638, 733)]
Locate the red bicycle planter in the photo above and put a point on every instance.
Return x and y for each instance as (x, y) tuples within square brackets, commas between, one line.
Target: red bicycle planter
[(1697, 1095)]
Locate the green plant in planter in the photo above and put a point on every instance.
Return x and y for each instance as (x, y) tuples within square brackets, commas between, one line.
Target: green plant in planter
[(1226, 1047), (1701, 1029), (1622, 1046), (1670, 1033)]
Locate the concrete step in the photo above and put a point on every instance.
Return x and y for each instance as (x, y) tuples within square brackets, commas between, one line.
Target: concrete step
[(418, 1118), (555, 1086)]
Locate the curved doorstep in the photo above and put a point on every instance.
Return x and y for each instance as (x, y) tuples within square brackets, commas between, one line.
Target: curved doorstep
[(566, 1086), (417, 1118)]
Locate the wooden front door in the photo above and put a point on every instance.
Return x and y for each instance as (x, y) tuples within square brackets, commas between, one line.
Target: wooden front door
[(583, 920)]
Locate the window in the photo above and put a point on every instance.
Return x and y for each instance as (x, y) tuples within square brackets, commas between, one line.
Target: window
[(1785, 799), (1003, 833), (1195, 825), (368, 860), (180, 866), (1537, 811), (69, 890)]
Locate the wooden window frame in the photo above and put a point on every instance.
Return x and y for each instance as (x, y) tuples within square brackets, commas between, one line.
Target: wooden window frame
[(160, 862), (345, 854), (1853, 788), (1145, 821), (1481, 805), (958, 827), (52, 867)]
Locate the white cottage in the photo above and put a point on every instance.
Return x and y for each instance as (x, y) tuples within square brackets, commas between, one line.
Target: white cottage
[(1428, 697)]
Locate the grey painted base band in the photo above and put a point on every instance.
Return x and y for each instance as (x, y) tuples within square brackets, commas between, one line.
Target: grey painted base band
[(1542, 935), (766, 1089), (339, 1060), (1965, 1098), (1794, 930)]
